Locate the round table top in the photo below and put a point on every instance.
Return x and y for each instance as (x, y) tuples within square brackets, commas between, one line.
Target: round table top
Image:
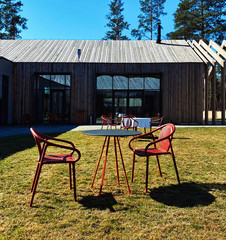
[(112, 133)]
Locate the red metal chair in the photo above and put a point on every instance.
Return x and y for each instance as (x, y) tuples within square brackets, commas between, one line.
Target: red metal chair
[(43, 142), (128, 122), (160, 146), (107, 121), (157, 122)]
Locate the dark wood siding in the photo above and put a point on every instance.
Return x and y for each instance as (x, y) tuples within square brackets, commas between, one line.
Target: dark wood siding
[(181, 85)]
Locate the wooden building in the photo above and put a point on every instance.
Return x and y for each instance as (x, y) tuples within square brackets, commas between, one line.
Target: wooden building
[(66, 81)]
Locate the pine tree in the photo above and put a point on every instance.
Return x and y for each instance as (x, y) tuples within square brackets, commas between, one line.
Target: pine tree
[(211, 22), (200, 19), (184, 20), (116, 22), (11, 22), (151, 10)]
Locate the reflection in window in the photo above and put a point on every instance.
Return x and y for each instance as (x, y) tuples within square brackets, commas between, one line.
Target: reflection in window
[(136, 83), (135, 102), (104, 82), (130, 94), (120, 82), (152, 83), (53, 81)]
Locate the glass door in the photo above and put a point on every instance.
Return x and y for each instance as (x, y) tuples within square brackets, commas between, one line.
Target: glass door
[(127, 102), (136, 103), (56, 106), (120, 99)]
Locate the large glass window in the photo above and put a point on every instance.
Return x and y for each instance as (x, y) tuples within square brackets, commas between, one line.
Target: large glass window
[(104, 82), (53, 98), (120, 82), (138, 95), (136, 83)]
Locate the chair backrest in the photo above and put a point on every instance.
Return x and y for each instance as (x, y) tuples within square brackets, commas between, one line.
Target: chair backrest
[(166, 132), (161, 120), (39, 138), (104, 119), (127, 122)]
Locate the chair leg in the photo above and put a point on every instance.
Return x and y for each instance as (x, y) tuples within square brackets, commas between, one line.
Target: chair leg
[(36, 171), (35, 184), (160, 172), (69, 169), (175, 166), (133, 165), (147, 165), (74, 181)]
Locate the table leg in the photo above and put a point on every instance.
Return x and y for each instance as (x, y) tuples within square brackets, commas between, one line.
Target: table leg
[(98, 163), (105, 162), (116, 160), (123, 165)]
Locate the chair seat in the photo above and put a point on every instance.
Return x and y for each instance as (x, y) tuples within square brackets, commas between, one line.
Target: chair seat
[(61, 158), (151, 151)]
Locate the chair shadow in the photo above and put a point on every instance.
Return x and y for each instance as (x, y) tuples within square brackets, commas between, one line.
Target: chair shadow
[(186, 195), (105, 201)]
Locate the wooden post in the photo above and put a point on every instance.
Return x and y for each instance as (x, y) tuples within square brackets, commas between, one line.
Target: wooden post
[(214, 95), (206, 93), (223, 95)]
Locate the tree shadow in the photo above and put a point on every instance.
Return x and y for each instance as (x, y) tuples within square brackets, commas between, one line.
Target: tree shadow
[(105, 201), (13, 144), (186, 194)]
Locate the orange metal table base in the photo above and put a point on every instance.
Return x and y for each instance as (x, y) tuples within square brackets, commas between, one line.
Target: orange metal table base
[(116, 144)]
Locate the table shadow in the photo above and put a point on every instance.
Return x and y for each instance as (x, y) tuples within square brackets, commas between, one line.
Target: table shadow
[(185, 195), (105, 201)]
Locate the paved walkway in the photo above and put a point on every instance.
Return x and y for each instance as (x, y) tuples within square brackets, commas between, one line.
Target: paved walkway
[(17, 129)]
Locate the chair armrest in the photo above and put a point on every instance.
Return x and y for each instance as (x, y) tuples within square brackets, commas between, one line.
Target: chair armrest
[(156, 141), (157, 120), (140, 136), (146, 134), (113, 119), (72, 147)]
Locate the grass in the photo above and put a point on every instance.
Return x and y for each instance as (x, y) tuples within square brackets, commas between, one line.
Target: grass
[(195, 210)]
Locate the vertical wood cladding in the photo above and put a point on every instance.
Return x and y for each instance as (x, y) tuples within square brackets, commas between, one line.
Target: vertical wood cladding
[(181, 87)]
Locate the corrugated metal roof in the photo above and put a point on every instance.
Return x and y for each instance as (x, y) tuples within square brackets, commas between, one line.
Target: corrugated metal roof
[(124, 51)]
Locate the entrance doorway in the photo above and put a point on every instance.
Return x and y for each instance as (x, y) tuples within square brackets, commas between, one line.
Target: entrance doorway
[(53, 98)]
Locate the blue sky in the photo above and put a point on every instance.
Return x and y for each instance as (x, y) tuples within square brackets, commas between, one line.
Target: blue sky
[(81, 19)]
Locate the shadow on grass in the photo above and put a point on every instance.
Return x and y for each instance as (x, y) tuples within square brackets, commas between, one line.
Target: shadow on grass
[(186, 194), (13, 144), (106, 201)]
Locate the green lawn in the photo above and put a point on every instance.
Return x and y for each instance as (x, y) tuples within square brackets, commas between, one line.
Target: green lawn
[(195, 210)]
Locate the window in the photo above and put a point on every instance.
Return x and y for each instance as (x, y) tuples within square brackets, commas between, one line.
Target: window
[(53, 98), (133, 94)]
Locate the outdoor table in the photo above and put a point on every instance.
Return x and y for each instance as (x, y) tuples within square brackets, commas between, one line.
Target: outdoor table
[(143, 122), (108, 134)]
